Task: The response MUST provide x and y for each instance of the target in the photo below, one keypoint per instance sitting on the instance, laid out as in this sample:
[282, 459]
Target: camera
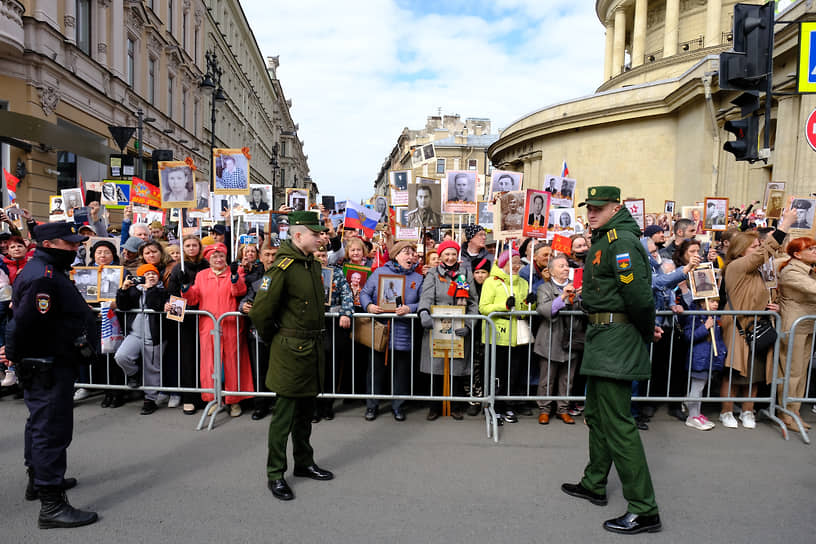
[137, 280]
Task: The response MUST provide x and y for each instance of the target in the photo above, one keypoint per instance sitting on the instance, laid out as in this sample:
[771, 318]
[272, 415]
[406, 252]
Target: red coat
[218, 295]
[15, 267]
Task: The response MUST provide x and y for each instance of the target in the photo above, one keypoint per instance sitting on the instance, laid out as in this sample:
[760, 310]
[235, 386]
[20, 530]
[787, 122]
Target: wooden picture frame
[669, 206]
[715, 213]
[86, 279]
[109, 280]
[703, 283]
[390, 287]
[238, 171]
[178, 306]
[772, 186]
[775, 204]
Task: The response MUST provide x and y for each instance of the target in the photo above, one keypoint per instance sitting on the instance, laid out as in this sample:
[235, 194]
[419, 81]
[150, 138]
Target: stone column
[639, 33]
[610, 44]
[46, 11]
[102, 31]
[713, 26]
[535, 172]
[69, 22]
[117, 46]
[671, 28]
[618, 56]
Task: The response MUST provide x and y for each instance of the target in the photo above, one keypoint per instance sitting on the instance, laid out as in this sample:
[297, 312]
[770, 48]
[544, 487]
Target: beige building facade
[71, 68]
[654, 127]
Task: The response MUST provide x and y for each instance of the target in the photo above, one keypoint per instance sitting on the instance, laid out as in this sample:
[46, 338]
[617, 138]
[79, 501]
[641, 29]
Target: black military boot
[56, 512]
[32, 494]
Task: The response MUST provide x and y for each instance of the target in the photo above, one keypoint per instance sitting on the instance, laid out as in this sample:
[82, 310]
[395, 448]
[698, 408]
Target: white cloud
[340, 64]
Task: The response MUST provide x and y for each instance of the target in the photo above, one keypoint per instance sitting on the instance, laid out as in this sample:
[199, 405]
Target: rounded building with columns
[654, 126]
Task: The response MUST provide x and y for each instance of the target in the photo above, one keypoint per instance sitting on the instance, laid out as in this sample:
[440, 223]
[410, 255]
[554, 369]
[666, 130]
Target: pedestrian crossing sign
[806, 77]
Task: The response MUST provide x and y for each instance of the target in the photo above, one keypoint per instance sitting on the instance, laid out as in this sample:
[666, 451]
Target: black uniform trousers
[50, 424]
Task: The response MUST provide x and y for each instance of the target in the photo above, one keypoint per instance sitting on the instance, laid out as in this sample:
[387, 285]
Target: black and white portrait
[484, 214]
[804, 208]
[400, 179]
[260, 197]
[428, 152]
[512, 211]
[562, 191]
[202, 191]
[177, 185]
[110, 278]
[562, 220]
[72, 198]
[381, 206]
[503, 181]
[425, 204]
[297, 199]
[461, 186]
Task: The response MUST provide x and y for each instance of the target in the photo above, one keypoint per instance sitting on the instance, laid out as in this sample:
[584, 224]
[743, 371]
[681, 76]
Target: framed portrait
[390, 290]
[428, 152]
[703, 282]
[664, 221]
[178, 306]
[398, 181]
[536, 213]
[776, 203]
[502, 181]
[177, 184]
[804, 225]
[86, 279]
[510, 215]
[650, 219]
[772, 186]
[768, 271]
[715, 213]
[637, 207]
[444, 341]
[278, 223]
[416, 157]
[15, 215]
[668, 206]
[93, 240]
[484, 214]
[381, 207]
[695, 213]
[356, 277]
[297, 199]
[562, 191]
[257, 202]
[71, 199]
[562, 221]
[230, 172]
[424, 203]
[121, 189]
[110, 279]
[326, 275]
[203, 202]
[459, 192]
[56, 208]
[149, 216]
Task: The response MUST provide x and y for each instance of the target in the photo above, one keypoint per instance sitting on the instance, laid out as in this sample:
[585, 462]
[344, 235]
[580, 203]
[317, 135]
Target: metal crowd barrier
[809, 369]
[101, 379]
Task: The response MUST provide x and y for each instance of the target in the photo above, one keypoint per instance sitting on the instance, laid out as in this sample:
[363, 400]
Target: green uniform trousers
[614, 438]
[292, 415]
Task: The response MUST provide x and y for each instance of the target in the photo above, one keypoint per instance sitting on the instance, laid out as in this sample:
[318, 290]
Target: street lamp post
[275, 167]
[211, 83]
[141, 120]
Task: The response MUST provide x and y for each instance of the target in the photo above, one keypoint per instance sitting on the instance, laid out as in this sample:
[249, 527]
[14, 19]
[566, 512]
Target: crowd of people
[538, 356]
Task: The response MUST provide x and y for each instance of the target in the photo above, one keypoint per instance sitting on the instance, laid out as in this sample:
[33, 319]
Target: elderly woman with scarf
[402, 263]
[216, 290]
[447, 284]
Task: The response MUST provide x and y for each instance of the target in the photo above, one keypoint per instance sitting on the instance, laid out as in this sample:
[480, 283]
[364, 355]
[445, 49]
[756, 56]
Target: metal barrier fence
[799, 366]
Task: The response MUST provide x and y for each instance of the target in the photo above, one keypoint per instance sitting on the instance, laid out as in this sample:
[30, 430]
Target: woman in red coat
[216, 290]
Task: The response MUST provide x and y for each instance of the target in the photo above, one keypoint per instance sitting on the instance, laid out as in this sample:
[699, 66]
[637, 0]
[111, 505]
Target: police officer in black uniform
[50, 334]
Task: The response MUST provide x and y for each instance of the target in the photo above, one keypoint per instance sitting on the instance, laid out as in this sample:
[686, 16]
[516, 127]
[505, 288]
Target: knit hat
[480, 263]
[505, 256]
[471, 231]
[207, 241]
[399, 246]
[651, 230]
[447, 244]
[110, 245]
[156, 225]
[145, 268]
[212, 248]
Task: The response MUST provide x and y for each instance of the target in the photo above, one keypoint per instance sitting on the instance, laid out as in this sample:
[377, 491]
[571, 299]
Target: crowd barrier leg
[217, 386]
[785, 380]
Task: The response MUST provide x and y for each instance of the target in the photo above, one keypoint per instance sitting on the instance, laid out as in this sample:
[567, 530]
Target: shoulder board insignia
[49, 271]
[265, 283]
[284, 264]
[627, 278]
[612, 235]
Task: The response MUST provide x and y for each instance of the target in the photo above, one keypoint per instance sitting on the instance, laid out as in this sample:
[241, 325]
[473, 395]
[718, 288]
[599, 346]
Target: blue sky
[360, 71]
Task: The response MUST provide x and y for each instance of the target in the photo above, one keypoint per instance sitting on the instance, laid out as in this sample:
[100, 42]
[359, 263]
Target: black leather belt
[301, 333]
[607, 318]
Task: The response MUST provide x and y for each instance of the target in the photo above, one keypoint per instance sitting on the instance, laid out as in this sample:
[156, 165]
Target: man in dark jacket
[288, 314]
[617, 295]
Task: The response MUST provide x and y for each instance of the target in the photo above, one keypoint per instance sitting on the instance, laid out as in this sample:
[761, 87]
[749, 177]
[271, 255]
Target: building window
[184, 30]
[170, 81]
[283, 177]
[170, 16]
[195, 117]
[195, 45]
[151, 81]
[184, 108]
[131, 62]
[282, 149]
[440, 166]
[472, 164]
[83, 25]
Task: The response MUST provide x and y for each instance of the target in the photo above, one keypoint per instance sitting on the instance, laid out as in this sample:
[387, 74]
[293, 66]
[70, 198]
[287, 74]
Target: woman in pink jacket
[217, 290]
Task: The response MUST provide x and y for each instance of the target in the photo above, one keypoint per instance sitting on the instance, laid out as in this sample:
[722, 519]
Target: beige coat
[746, 293]
[797, 297]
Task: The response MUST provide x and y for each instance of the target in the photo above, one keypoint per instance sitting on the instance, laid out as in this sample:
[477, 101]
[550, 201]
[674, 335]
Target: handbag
[760, 335]
[523, 333]
[378, 340]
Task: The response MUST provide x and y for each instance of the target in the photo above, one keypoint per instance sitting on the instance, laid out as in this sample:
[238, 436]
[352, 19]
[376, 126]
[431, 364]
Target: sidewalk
[155, 479]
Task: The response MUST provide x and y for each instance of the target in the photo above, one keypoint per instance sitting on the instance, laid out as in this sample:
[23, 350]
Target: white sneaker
[9, 379]
[701, 423]
[747, 418]
[162, 398]
[728, 420]
[813, 408]
[81, 394]
[174, 401]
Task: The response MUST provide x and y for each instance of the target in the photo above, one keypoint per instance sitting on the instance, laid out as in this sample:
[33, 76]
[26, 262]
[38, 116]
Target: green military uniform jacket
[617, 279]
[288, 314]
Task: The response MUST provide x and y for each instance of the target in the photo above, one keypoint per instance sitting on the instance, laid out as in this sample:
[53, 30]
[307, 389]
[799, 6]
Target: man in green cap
[288, 314]
[617, 294]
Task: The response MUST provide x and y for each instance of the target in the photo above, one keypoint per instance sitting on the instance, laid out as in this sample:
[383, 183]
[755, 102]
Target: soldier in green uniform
[288, 314]
[617, 294]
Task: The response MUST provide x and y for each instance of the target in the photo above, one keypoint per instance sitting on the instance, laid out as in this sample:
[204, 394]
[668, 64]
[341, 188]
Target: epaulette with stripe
[48, 272]
[612, 235]
[284, 263]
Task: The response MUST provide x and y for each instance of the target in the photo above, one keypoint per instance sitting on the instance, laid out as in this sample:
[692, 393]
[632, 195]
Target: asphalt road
[155, 479]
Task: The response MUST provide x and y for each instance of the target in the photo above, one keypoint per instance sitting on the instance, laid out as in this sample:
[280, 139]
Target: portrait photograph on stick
[562, 221]
[637, 207]
[398, 186]
[536, 213]
[297, 199]
[668, 207]
[56, 207]
[715, 213]
[86, 279]
[484, 214]
[772, 186]
[776, 203]
[231, 171]
[804, 207]
[503, 181]
[72, 199]
[510, 215]
[424, 203]
[110, 278]
[390, 290]
[177, 184]
[703, 282]
[459, 192]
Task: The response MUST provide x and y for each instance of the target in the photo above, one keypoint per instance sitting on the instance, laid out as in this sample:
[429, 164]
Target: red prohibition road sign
[810, 130]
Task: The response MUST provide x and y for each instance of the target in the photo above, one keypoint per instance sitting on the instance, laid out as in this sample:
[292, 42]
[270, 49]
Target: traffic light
[748, 66]
[745, 146]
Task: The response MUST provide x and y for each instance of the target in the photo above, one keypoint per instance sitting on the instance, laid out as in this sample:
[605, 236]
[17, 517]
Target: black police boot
[56, 511]
[31, 493]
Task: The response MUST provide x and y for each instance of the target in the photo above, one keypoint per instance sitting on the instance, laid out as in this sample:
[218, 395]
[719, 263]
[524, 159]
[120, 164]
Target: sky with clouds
[358, 72]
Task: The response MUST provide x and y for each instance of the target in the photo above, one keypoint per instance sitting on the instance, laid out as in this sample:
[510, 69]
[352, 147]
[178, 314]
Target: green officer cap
[307, 219]
[601, 195]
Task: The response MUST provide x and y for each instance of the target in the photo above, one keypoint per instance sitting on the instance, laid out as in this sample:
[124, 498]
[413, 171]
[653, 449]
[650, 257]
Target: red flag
[11, 185]
[562, 244]
[392, 220]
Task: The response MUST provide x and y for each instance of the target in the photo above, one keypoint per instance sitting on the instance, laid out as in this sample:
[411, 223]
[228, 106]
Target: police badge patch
[43, 302]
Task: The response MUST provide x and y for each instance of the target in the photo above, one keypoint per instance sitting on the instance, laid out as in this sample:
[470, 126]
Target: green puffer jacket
[288, 314]
[617, 279]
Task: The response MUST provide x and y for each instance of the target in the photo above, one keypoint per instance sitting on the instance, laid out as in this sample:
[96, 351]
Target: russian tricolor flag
[11, 185]
[358, 217]
[564, 170]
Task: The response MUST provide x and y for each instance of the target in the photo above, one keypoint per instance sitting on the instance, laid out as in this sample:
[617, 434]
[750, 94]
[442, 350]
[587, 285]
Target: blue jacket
[524, 273]
[699, 339]
[401, 338]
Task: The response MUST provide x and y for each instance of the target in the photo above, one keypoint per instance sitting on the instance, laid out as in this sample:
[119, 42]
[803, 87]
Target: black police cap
[58, 229]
